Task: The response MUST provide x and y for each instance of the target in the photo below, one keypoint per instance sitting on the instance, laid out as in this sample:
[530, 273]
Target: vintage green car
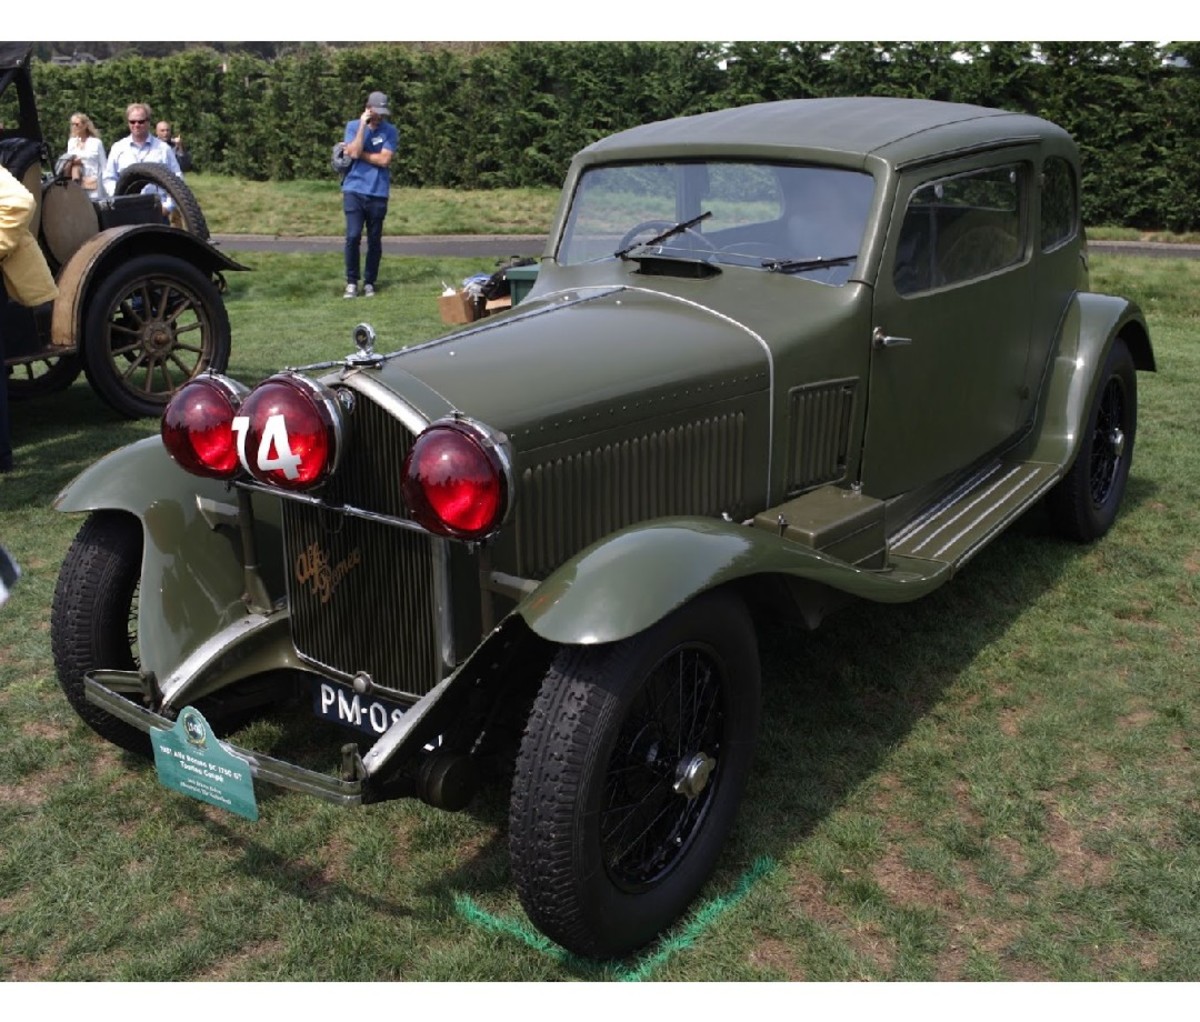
[775, 358]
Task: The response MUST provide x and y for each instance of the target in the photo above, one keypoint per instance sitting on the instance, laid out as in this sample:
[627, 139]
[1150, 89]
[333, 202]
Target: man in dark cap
[370, 143]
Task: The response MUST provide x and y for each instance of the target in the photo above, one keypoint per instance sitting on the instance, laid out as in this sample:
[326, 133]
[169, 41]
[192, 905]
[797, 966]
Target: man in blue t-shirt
[370, 143]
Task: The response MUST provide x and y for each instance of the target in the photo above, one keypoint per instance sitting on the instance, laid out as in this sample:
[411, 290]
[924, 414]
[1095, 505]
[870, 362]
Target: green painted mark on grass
[701, 920]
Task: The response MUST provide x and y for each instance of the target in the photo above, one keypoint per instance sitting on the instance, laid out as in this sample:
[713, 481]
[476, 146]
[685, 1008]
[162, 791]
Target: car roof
[844, 130]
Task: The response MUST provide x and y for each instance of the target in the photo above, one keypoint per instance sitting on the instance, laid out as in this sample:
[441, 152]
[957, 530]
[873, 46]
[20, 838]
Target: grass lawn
[314, 208]
[999, 782]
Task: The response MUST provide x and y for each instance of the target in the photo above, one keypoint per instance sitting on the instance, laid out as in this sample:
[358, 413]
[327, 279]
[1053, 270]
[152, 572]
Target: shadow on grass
[57, 436]
[836, 703]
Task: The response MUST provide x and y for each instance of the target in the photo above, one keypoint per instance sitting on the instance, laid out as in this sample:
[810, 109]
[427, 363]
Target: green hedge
[512, 115]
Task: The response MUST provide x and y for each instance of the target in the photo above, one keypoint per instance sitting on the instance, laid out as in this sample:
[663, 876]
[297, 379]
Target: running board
[954, 528]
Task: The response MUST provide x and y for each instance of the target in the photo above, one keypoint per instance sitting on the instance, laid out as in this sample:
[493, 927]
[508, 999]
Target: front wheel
[629, 776]
[1084, 503]
[155, 323]
[93, 618]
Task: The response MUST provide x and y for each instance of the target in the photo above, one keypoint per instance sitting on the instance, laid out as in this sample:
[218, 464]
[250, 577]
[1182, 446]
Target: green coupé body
[775, 358]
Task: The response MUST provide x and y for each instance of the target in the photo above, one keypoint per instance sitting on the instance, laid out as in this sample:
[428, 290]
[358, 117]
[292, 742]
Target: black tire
[606, 734]
[1084, 504]
[153, 324]
[93, 617]
[42, 376]
[133, 179]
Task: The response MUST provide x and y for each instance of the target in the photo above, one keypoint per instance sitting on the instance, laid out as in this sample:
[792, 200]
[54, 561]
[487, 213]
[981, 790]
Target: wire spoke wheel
[656, 790]
[1108, 442]
[630, 773]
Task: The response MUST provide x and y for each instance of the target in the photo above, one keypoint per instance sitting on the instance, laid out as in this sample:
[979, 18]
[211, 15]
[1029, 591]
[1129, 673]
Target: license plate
[342, 705]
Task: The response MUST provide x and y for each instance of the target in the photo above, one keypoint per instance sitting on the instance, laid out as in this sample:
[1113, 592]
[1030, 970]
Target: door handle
[881, 340]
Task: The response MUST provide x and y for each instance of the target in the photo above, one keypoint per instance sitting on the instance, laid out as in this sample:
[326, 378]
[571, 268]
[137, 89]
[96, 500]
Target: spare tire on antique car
[133, 180]
[154, 323]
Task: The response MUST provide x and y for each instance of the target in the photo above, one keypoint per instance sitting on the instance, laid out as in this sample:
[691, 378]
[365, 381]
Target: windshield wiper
[798, 265]
[670, 232]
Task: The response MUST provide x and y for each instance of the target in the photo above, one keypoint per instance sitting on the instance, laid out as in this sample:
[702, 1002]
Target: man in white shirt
[140, 146]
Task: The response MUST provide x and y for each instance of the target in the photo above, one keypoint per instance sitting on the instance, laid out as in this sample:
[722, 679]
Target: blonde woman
[85, 146]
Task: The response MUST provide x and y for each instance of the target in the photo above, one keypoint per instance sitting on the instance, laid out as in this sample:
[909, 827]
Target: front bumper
[104, 688]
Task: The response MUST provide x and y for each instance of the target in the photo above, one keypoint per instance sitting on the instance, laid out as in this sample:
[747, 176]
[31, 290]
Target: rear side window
[1059, 205]
[958, 228]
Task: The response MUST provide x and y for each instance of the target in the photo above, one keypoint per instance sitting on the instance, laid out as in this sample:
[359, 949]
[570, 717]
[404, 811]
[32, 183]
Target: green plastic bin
[520, 281]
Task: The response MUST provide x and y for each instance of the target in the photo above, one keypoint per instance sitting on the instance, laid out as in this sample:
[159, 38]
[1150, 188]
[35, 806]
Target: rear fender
[627, 582]
[192, 580]
[1091, 326]
[84, 271]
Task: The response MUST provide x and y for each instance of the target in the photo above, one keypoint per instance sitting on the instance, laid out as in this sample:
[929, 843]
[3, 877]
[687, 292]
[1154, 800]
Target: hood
[576, 362]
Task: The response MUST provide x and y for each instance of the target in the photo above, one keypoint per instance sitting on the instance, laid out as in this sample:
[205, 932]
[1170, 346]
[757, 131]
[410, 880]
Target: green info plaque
[190, 759]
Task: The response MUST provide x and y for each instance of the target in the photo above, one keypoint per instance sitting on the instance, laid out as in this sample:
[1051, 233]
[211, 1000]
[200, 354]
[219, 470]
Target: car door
[951, 321]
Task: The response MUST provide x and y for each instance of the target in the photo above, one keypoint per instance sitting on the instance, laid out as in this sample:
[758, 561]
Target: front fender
[192, 580]
[628, 581]
[94, 259]
[1091, 326]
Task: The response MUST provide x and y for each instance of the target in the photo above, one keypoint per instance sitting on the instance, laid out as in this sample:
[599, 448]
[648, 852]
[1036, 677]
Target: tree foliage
[512, 115]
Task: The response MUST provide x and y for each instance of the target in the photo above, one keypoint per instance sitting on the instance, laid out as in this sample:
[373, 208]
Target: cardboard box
[497, 304]
[458, 308]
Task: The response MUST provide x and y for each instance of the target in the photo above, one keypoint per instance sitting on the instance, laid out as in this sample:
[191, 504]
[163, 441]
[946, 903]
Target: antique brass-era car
[775, 358]
[139, 308]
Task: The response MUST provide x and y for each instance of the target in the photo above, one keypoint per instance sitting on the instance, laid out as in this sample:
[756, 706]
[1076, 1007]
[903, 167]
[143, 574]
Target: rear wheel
[93, 618]
[630, 774]
[1084, 504]
[155, 323]
[42, 376]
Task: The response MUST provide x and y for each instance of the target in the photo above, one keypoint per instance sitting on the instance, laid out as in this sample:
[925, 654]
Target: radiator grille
[820, 417]
[364, 594]
[369, 476]
[567, 503]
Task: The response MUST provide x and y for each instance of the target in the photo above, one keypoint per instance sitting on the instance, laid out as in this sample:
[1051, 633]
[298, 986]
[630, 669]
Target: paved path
[1155, 249]
[503, 245]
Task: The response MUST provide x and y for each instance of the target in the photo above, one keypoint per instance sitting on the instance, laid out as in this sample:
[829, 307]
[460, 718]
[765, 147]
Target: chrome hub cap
[692, 774]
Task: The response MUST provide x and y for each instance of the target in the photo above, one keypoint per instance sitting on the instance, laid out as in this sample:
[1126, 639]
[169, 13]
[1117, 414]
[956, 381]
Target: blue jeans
[360, 210]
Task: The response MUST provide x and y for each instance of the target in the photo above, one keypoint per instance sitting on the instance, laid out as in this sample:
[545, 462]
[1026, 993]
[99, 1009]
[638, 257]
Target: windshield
[773, 217]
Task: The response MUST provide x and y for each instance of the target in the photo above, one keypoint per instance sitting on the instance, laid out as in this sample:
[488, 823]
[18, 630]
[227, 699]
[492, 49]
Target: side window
[1059, 222]
[959, 228]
